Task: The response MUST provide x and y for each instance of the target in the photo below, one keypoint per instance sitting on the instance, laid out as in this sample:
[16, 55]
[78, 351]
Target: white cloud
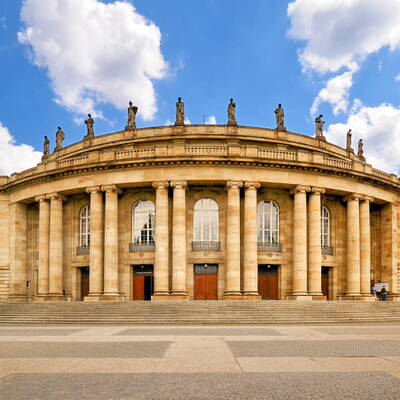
[379, 127]
[95, 53]
[336, 93]
[212, 120]
[340, 32]
[13, 157]
[397, 78]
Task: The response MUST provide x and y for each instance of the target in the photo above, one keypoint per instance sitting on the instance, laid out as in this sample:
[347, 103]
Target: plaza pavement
[202, 362]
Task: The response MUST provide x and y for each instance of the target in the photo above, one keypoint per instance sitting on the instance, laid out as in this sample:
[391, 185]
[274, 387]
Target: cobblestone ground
[121, 363]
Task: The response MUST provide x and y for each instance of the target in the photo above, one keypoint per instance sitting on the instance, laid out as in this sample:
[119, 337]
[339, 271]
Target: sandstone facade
[45, 255]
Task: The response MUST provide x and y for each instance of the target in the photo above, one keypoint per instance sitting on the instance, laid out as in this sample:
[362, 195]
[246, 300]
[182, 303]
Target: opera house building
[198, 212]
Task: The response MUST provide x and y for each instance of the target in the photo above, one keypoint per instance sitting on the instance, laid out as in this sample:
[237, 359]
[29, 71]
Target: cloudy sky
[61, 59]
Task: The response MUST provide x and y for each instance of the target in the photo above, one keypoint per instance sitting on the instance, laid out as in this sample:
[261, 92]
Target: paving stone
[38, 332]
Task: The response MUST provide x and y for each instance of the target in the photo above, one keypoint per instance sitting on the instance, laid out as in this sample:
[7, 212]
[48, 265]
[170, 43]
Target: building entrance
[325, 282]
[84, 282]
[142, 282]
[205, 281]
[268, 281]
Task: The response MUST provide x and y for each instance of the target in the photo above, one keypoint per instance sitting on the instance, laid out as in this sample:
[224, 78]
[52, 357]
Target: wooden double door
[143, 282]
[205, 281]
[268, 281]
[84, 282]
[325, 281]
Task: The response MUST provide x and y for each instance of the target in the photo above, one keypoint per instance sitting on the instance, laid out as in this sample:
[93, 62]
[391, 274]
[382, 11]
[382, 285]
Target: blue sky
[63, 58]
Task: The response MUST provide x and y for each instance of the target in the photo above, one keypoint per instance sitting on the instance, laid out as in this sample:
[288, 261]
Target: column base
[393, 297]
[350, 297]
[318, 297]
[93, 297]
[18, 298]
[179, 296]
[299, 297]
[111, 297]
[229, 296]
[160, 296]
[251, 296]
[50, 297]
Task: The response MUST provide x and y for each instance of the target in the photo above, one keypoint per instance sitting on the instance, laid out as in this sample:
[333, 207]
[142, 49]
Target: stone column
[111, 242]
[314, 242]
[161, 284]
[56, 246]
[96, 242]
[43, 244]
[353, 245]
[300, 243]
[250, 284]
[365, 247]
[232, 281]
[18, 240]
[179, 286]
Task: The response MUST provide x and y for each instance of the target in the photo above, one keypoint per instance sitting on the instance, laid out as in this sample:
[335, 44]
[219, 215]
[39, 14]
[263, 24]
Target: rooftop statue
[90, 129]
[60, 136]
[280, 118]
[231, 113]
[348, 141]
[360, 152]
[180, 112]
[319, 127]
[132, 111]
[46, 146]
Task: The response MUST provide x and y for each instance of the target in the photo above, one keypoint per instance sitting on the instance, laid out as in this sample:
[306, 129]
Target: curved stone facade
[41, 222]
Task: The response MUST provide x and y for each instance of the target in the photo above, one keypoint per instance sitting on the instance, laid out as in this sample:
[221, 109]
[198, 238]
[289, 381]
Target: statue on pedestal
[319, 127]
[280, 118]
[231, 113]
[348, 141]
[360, 152]
[180, 112]
[132, 111]
[89, 124]
[60, 136]
[46, 148]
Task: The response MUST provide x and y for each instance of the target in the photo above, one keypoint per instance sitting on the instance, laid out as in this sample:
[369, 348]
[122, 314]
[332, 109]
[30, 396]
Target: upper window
[143, 222]
[325, 227]
[268, 222]
[206, 220]
[84, 227]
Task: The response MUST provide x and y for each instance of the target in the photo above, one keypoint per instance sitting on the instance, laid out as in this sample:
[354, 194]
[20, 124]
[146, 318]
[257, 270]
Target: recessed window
[143, 222]
[325, 227]
[84, 227]
[267, 222]
[206, 221]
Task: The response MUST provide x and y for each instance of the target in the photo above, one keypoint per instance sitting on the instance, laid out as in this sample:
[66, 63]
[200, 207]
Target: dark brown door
[142, 282]
[205, 282]
[268, 281]
[325, 281]
[84, 282]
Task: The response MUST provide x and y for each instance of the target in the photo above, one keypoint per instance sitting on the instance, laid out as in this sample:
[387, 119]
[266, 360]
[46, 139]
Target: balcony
[327, 250]
[141, 247]
[206, 246]
[82, 250]
[269, 247]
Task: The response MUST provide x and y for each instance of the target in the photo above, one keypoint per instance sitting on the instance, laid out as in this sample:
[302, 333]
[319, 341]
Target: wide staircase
[199, 312]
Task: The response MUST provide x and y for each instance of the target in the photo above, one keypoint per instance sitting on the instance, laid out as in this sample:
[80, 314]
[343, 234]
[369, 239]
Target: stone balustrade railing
[146, 152]
[28, 172]
[381, 174]
[337, 162]
[277, 154]
[73, 161]
[206, 150]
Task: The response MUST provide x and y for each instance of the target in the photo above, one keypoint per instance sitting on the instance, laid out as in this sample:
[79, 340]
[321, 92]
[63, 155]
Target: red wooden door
[84, 282]
[325, 281]
[205, 282]
[138, 287]
[268, 282]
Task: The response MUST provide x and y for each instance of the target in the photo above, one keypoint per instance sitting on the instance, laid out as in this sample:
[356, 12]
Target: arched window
[325, 227]
[206, 221]
[267, 222]
[143, 222]
[84, 227]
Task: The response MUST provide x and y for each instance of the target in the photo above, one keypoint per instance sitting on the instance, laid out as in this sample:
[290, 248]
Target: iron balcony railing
[141, 247]
[269, 247]
[206, 246]
[82, 250]
[327, 250]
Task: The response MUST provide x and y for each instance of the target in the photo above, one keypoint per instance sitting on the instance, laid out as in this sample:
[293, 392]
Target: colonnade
[103, 278]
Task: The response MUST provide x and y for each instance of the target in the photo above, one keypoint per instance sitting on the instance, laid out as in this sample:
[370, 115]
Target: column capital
[317, 190]
[40, 198]
[234, 184]
[252, 185]
[55, 196]
[111, 188]
[353, 196]
[368, 199]
[178, 184]
[300, 189]
[91, 189]
[160, 184]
